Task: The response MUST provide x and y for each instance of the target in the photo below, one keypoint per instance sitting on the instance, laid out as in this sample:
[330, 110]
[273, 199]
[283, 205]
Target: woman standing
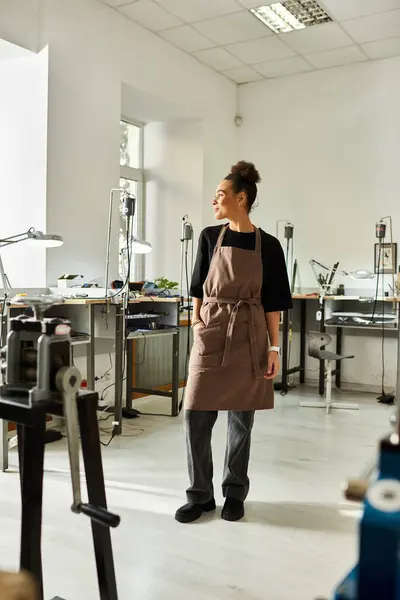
[239, 287]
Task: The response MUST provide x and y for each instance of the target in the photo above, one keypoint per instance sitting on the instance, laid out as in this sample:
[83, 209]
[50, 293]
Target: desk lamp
[325, 282]
[136, 246]
[38, 239]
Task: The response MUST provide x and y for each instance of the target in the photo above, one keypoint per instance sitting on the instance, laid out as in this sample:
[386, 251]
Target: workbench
[324, 305]
[81, 313]
[82, 316]
[170, 327]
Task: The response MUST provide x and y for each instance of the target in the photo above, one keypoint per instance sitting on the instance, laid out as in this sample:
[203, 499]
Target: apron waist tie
[250, 303]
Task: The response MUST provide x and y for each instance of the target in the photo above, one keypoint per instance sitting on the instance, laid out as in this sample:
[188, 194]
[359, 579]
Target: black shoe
[233, 510]
[192, 512]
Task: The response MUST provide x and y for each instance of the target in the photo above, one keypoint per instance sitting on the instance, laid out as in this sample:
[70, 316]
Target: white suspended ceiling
[224, 35]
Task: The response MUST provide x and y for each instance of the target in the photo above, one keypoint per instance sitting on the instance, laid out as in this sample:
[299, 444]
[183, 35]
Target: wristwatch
[275, 349]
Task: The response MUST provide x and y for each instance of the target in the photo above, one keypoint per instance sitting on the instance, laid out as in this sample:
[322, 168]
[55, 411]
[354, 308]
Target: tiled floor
[298, 539]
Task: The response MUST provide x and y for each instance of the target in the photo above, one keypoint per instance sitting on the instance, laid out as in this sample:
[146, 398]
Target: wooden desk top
[154, 299]
[102, 301]
[68, 302]
[315, 296]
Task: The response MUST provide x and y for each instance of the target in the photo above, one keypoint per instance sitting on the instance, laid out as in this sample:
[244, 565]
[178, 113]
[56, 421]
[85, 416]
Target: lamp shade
[361, 274]
[44, 240]
[140, 246]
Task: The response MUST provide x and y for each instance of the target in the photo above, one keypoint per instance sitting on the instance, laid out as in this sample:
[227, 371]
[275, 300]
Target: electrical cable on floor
[106, 372]
[106, 432]
[102, 419]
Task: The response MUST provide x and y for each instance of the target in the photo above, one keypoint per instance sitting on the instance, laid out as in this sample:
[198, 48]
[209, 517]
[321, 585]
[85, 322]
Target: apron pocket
[208, 340]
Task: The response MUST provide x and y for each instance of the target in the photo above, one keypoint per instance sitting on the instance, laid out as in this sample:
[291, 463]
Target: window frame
[137, 175]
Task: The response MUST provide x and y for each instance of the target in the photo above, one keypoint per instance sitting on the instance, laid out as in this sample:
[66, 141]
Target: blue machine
[377, 575]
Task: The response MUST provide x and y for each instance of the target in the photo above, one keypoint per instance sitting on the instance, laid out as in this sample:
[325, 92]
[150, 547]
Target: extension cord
[13, 442]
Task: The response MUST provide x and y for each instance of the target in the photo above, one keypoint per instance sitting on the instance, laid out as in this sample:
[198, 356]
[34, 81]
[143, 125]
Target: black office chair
[317, 341]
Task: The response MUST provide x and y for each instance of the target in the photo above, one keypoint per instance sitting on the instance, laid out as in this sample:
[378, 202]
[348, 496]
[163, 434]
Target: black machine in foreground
[41, 380]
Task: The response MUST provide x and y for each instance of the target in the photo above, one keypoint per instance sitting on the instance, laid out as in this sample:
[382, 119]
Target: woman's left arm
[272, 319]
[276, 296]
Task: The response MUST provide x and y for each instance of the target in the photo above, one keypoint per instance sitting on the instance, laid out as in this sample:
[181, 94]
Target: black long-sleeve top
[275, 292]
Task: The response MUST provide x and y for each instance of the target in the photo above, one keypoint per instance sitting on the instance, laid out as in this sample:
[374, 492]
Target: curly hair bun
[247, 171]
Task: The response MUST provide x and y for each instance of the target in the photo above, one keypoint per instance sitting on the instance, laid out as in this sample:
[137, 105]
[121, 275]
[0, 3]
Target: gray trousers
[198, 427]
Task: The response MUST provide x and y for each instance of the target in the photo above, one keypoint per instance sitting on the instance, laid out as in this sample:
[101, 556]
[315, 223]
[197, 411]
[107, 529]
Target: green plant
[166, 284]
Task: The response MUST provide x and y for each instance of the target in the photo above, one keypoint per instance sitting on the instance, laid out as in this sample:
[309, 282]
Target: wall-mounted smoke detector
[289, 15]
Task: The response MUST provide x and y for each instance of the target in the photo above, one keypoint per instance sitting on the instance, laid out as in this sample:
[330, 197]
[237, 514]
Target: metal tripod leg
[91, 451]
[31, 453]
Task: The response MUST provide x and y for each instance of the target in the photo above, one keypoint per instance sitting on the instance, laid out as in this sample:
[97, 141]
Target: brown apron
[230, 354]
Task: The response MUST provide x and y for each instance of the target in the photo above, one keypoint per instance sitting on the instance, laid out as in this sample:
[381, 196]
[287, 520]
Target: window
[130, 145]
[132, 180]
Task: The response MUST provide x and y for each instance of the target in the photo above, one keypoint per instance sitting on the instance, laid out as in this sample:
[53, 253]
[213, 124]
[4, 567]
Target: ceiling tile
[243, 75]
[337, 57]
[150, 15]
[257, 51]
[352, 9]
[375, 27]
[383, 48]
[198, 10]
[253, 3]
[218, 59]
[238, 27]
[317, 38]
[187, 38]
[116, 3]
[280, 68]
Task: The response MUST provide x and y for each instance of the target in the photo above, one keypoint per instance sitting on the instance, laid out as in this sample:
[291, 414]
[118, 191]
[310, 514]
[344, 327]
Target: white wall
[23, 149]
[327, 145]
[93, 49]
[174, 173]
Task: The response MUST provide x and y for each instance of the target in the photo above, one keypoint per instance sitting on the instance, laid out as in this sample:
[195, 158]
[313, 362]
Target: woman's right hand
[199, 325]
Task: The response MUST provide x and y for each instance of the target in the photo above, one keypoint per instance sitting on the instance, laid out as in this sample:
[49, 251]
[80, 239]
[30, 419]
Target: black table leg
[339, 340]
[175, 375]
[303, 338]
[31, 442]
[322, 362]
[129, 358]
[97, 496]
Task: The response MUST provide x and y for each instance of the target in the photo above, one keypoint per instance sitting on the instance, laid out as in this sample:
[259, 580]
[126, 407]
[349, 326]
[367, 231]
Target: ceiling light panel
[291, 15]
